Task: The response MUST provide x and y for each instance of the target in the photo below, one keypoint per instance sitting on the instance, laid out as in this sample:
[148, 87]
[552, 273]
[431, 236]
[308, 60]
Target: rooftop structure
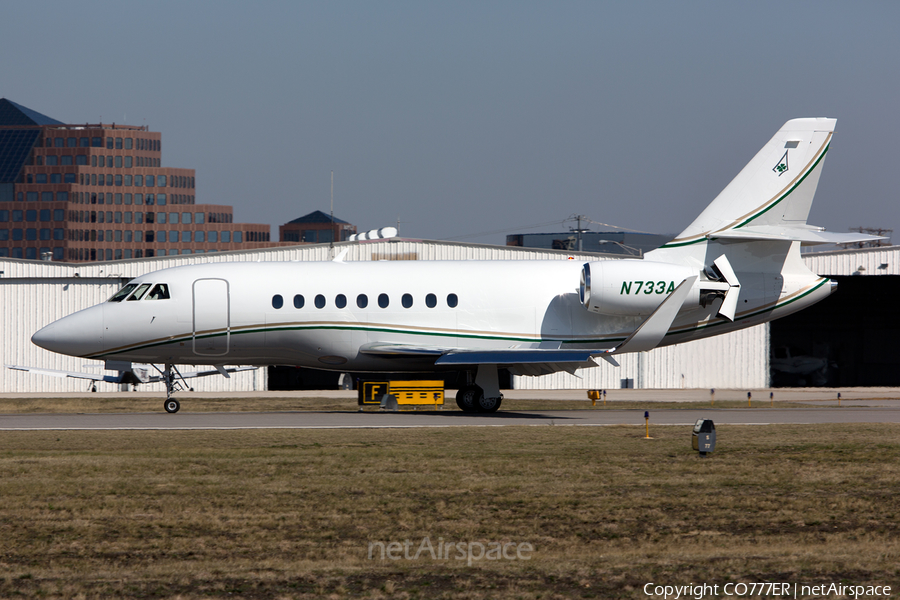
[316, 227]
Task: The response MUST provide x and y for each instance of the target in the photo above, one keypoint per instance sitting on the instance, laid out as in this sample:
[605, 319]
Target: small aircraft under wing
[736, 265]
[128, 373]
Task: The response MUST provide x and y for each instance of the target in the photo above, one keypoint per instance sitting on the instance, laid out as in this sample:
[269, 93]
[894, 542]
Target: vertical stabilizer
[775, 189]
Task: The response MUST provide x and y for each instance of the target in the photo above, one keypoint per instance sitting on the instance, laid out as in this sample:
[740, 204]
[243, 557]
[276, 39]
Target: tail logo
[782, 166]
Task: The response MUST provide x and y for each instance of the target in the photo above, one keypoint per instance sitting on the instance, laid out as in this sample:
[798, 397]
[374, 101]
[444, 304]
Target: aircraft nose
[79, 334]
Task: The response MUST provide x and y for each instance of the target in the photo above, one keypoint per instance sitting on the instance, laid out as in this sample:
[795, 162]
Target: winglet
[651, 332]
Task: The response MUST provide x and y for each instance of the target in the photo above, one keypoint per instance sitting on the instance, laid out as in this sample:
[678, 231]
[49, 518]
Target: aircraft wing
[524, 361]
[73, 374]
[138, 374]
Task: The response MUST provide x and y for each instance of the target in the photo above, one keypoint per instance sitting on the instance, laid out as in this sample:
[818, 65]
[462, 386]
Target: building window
[31, 253]
[161, 180]
[4, 216]
[59, 214]
[199, 236]
[45, 214]
[238, 237]
[17, 216]
[198, 218]
[138, 198]
[186, 218]
[46, 234]
[40, 178]
[161, 199]
[31, 215]
[83, 142]
[213, 237]
[70, 178]
[30, 234]
[226, 237]
[96, 142]
[139, 181]
[52, 161]
[4, 235]
[17, 235]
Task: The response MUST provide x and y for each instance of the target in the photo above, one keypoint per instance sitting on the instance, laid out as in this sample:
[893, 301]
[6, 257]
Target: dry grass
[290, 513]
[137, 402]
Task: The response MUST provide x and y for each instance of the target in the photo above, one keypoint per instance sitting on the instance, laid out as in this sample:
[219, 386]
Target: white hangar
[35, 293]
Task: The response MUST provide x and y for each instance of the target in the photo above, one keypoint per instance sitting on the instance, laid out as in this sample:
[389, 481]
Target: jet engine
[632, 287]
[637, 287]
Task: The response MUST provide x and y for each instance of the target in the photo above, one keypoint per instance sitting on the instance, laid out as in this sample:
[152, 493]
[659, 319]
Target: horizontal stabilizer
[807, 236]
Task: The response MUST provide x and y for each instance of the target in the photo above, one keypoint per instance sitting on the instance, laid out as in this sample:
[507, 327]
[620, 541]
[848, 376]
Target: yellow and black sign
[425, 392]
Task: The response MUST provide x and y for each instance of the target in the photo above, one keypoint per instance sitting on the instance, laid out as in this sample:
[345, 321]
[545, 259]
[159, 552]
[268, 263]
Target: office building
[99, 192]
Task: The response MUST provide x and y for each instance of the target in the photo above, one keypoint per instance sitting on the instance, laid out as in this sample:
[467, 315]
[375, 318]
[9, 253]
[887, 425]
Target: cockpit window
[139, 293]
[121, 294]
[160, 292]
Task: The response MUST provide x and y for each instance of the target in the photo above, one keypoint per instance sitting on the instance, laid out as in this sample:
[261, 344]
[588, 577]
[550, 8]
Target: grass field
[106, 403]
[292, 513]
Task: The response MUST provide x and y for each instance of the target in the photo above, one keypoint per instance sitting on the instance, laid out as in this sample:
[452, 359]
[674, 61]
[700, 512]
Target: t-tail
[741, 254]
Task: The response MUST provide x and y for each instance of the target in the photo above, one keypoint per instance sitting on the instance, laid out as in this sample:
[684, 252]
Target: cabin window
[139, 293]
[160, 292]
[121, 294]
[430, 300]
[340, 301]
[299, 301]
[277, 301]
[383, 300]
[320, 301]
[406, 300]
[362, 301]
[452, 300]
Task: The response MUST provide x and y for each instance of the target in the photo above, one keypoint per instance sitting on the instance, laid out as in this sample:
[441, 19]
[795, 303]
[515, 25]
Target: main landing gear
[472, 399]
[484, 395]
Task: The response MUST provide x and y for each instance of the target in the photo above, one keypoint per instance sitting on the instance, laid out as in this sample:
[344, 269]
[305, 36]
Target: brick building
[77, 193]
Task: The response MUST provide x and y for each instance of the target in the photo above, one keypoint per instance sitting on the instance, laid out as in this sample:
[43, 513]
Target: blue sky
[459, 118]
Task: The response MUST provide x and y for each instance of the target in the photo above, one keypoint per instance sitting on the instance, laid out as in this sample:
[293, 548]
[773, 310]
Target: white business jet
[737, 265]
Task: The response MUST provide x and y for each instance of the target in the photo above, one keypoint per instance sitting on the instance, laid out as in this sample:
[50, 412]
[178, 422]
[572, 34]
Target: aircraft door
[212, 319]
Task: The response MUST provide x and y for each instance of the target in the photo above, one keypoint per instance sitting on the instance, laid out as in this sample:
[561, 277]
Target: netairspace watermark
[766, 590]
[468, 551]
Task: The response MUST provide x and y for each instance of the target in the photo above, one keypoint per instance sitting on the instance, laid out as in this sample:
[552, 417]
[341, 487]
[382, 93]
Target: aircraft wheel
[488, 405]
[172, 405]
[467, 398]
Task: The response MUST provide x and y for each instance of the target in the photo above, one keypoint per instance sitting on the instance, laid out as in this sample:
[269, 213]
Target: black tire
[488, 405]
[172, 405]
[467, 398]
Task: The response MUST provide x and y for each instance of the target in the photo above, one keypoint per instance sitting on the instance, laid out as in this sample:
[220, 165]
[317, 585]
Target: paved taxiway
[448, 418]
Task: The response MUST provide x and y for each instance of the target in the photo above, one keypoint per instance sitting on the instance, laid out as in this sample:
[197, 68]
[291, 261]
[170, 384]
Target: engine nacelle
[632, 287]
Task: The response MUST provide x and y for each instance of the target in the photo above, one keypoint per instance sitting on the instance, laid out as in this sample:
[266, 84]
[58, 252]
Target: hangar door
[212, 319]
[848, 339]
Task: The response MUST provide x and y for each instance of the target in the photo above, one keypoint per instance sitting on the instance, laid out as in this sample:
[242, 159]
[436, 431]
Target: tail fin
[770, 198]
[775, 189]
